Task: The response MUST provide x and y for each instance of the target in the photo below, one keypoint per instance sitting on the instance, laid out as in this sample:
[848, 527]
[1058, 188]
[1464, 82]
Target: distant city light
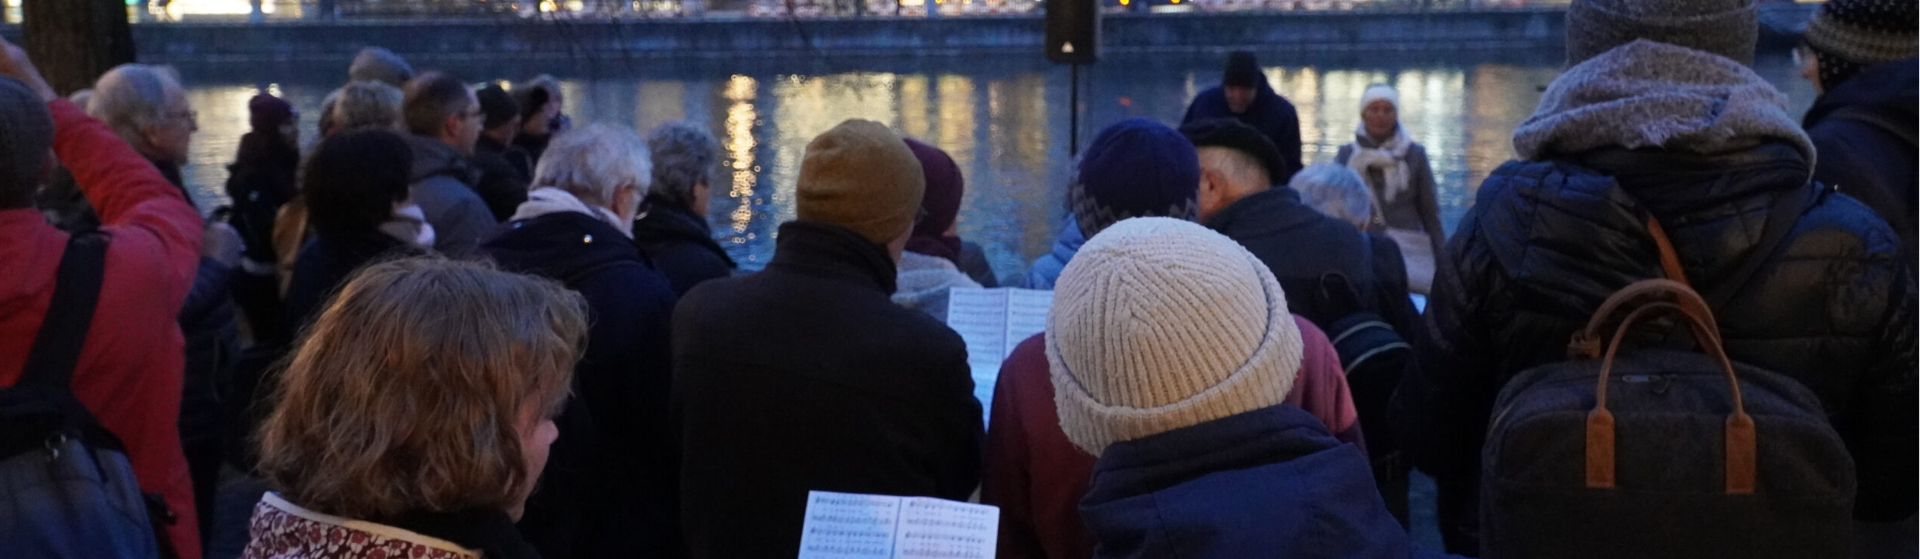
[210, 7]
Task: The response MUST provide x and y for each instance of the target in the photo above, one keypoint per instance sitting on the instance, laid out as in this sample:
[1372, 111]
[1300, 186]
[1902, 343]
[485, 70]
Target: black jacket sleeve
[1879, 428]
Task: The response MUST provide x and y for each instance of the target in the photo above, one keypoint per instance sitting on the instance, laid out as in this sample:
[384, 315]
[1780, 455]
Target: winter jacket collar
[490, 532]
[434, 158]
[1892, 89]
[171, 171]
[665, 223]
[830, 250]
[1191, 492]
[1264, 213]
[563, 246]
[1675, 184]
[1645, 94]
[548, 200]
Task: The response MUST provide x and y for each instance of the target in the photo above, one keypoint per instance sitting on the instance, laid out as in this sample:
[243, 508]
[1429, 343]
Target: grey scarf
[1648, 94]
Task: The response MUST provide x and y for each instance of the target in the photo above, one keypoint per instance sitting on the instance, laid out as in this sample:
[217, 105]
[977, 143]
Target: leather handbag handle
[1741, 456]
[1586, 342]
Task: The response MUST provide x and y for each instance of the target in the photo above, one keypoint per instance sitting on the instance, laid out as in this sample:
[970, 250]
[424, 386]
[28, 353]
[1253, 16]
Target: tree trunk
[73, 42]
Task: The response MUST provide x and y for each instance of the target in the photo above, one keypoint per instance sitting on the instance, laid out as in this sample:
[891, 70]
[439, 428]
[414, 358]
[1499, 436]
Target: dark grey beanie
[381, 65]
[26, 133]
[1728, 28]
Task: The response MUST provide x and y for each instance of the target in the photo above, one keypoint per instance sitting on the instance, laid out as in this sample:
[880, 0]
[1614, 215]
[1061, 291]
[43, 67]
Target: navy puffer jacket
[1547, 241]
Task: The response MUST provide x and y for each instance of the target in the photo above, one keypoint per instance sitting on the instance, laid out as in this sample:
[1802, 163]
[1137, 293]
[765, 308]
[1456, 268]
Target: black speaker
[1073, 31]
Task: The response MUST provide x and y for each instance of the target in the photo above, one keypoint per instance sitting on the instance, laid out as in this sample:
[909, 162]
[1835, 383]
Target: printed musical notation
[855, 526]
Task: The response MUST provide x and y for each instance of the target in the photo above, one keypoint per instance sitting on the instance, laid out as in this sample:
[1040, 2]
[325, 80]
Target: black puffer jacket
[681, 246]
[1547, 241]
[1858, 128]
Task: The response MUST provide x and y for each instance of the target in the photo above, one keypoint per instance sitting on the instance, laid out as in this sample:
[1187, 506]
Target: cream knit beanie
[1159, 324]
[1380, 92]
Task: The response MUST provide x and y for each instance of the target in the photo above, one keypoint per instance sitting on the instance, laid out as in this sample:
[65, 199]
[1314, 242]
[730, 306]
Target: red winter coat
[1037, 477]
[130, 369]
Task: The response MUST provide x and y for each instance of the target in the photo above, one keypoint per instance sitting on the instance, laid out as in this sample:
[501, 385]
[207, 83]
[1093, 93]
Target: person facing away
[377, 64]
[937, 233]
[501, 184]
[261, 179]
[611, 490]
[1661, 119]
[1859, 54]
[1031, 471]
[1133, 168]
[445, 119]
[357, 199]
[542, 115]
[672, 228]
[1338, 192]
[416, 415]
[928, 266]
[1245, 95]
[1298, 244]
[130, 368]
[1172, 354]
[1396, 169]
[356, 106]
[807, 377]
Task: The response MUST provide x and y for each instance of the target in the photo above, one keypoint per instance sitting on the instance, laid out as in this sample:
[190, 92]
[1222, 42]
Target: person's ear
[450, 128]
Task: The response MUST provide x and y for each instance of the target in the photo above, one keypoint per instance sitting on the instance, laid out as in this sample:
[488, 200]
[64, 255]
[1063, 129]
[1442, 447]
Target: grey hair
[593, 161]
[132, 98]
[1337, 191]
[684, 154]
[366, 104]
[1247, 173]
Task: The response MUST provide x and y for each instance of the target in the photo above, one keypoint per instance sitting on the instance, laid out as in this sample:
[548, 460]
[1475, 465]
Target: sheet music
[992, 322]
[855, 526]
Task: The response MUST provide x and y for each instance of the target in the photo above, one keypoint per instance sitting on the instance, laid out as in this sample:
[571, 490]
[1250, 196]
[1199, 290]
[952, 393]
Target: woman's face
[1381, 119]
[537, 433]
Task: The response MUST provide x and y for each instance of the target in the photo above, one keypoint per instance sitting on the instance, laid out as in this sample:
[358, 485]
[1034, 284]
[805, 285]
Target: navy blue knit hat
[1135, 168]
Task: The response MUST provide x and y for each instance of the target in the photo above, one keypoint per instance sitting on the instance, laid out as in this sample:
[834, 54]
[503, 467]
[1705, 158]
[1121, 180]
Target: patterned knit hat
[1135, 168]
[1850, 35]
[1729, 28]
[1159, 324]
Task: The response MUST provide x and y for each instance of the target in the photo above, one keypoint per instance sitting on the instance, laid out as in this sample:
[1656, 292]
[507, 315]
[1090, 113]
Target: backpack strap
[76, 291]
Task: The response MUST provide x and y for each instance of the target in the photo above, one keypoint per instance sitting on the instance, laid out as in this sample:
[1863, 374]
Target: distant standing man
[1244, 94]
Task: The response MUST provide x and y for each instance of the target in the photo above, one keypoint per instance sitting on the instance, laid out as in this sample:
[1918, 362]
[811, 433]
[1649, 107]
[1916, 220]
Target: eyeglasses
[476, 114]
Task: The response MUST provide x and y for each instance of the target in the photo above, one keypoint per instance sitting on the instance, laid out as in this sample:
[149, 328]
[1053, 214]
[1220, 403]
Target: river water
[1004, 119]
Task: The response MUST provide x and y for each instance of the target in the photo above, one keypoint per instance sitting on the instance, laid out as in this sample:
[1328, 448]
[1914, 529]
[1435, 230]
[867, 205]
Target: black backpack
[71, 492]
[1652, 453]
[1374, 356]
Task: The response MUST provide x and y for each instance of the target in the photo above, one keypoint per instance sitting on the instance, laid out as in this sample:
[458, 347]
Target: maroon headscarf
[941, 204]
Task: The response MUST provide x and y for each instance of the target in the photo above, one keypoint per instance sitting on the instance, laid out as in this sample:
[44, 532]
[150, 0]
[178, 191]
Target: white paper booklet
[993, 322]
[855, 526]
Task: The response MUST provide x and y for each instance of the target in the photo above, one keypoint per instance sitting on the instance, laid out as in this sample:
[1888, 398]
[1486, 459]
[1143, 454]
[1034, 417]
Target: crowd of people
[458, 325]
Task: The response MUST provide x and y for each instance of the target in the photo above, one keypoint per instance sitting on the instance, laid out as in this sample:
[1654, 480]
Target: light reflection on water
[1001, 119]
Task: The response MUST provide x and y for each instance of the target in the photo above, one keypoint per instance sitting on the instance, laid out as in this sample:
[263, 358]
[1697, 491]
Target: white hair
[593, 161]
[133, 97]
[1246, 173]
[1337, 191]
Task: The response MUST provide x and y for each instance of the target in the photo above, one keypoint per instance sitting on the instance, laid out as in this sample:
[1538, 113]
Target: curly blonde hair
[407, 392]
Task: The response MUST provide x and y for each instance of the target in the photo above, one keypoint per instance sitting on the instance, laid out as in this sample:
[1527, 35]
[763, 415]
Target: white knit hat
[1380, 92]
[1159, 324]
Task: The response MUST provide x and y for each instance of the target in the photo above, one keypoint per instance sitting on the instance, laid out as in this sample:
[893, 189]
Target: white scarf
[409, 224]
[549, 200]
[1390, 158]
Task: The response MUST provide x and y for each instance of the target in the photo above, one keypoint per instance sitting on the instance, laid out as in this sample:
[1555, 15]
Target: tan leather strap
[1669, 259]
[1741, 454]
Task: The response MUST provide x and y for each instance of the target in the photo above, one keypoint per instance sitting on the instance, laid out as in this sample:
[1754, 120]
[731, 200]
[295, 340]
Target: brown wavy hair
[406, 392]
